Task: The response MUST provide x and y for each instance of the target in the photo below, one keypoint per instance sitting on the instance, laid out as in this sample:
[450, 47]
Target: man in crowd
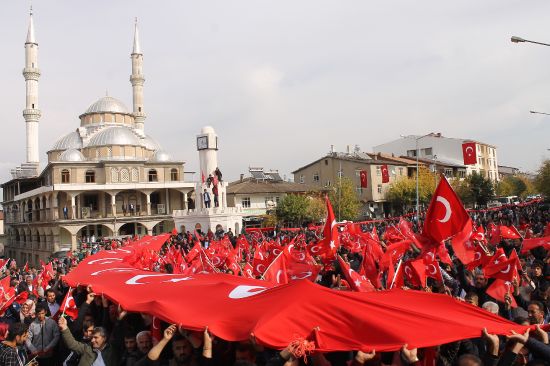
[53, 306]
[43, 337]
[16, 337]
[97, 352]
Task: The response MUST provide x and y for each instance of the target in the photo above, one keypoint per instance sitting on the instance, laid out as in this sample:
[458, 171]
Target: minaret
[137, 81]
[31, 113]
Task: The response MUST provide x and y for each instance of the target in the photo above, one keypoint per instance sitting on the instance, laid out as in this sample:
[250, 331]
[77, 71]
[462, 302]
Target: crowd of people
[37, 327]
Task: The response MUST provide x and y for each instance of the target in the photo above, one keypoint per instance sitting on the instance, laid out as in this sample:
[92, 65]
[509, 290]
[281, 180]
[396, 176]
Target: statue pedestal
[209, 218]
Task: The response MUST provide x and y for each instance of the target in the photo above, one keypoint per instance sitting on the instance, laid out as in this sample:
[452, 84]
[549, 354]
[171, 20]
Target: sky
[281, 81]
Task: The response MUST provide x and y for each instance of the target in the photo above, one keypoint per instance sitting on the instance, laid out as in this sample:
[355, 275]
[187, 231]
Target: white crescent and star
[447, 206]
[471, 150]
[243, 291]
[134, 280]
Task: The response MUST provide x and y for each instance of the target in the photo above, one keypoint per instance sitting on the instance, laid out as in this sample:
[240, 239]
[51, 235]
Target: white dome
[70, 141]
[107, 104]
[71, 155]
[150, 143]
[160, 156]
[114, 136]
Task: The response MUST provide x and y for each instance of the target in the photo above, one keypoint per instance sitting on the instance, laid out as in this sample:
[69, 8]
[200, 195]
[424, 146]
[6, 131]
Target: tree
[481, 188]
[516, 185]
[402, 193]
[344, 201]
[292, 209]
[297, 209]
[542, 180]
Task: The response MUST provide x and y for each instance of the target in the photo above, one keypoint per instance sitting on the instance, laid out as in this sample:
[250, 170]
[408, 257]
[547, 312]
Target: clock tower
[207, 145]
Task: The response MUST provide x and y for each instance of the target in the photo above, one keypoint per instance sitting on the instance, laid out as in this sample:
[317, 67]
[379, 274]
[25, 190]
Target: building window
[124, 175]
[65, 176]
[277, 199]
[109, 152]
[461, 174]
[357, 173]
[380, 188]
[302, 179]
[174, 174]
[153, 175]
[427, 151]
[326, 161]
[316, 177]
[400, 171]
[448, 172]
[358, 190]
[378, 170]
[328, 183]
[114, 175]
[90, 176]
[135, 175]
[411, 153]
[340, 173]
[245, 202]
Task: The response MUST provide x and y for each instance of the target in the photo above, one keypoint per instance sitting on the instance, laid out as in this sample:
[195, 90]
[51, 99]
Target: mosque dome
[70, 141]
[107, 104]
[71, 155]
[150, 143]
[114, 136]
[160, 156]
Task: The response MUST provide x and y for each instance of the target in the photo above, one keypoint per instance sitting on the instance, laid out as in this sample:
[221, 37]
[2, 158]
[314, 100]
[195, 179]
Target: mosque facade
[106, 178]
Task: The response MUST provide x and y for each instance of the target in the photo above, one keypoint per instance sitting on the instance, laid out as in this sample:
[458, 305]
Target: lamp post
[516, 39]
[416, 139]
[536, 112]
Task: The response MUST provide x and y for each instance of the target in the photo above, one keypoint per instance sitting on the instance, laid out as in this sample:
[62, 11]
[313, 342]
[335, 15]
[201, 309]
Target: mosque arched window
[174, 174]
[90, 176]
[153, 175]
[65, 176]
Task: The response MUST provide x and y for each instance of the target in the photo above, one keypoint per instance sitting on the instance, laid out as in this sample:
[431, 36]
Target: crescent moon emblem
[112, 270]
[302, 276]
[506, 270]
[276, 251]
[409, 272]
[243, 291]
[134, 280]
[315, 248]
[279, 272]
[471, 149]
[105, 260]
[431, 266]
[259, 268]
[216, 261]
[477, 256]
[155, 318]
[448, 211]
[301, 257]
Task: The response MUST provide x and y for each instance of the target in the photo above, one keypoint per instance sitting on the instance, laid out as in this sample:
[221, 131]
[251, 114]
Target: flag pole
[396, 272]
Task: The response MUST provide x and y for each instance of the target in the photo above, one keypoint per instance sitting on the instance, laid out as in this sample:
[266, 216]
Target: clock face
[202, 142]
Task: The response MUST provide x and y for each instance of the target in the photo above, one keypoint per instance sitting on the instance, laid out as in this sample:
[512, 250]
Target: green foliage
[296, 209]
[481, 189]
[518, 185]
[344, 200]
[542, 181]
[402, 193]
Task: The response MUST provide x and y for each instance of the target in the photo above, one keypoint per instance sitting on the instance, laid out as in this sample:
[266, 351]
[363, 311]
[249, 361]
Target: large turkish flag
[446, 215]
[469, 153]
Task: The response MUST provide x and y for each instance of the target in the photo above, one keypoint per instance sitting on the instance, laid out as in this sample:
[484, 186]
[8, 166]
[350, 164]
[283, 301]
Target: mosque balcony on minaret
[31, 73]
[137, 79]
[32, 114]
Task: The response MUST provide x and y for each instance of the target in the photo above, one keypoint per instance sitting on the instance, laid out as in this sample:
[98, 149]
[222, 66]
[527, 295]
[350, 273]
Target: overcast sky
[281, 81]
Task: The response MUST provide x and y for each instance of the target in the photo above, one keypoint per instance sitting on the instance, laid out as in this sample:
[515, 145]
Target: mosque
[106, 178]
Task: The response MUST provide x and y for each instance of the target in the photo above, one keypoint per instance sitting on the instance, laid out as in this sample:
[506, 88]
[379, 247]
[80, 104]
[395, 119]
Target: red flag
[302, 271]
[394, 252]
[26, 268]
[368, 268]
[463, 245]
[156, 331]
[202, 177]
[273, 313]
[504, 270]
[533, 243]
[385, 174]
[499, 289]
[174, 231]
[331, 237]
[509, 233]
[248, 271]
[276, 272]
[356, 282]
[193, 252]
[446, 215]
[494, 234]
[469, 153]
[363, 178]
[68, 306]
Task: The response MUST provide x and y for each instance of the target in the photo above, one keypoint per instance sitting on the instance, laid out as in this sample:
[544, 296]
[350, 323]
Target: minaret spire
[137, 80]
[31, 113]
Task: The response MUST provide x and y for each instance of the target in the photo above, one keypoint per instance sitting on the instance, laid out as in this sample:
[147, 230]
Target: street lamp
[416, 139]
[535, 112]
[516, 39]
